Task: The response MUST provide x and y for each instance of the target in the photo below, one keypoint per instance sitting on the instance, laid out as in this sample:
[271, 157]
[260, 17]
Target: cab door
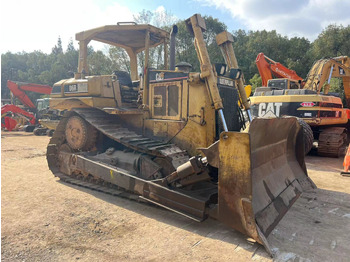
[166, 102]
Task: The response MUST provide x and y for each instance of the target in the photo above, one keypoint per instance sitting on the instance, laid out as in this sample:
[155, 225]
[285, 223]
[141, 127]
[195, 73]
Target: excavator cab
[283, 83]
[179, 145]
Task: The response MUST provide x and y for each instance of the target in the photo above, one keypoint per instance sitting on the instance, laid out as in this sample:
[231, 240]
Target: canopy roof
[125, 35]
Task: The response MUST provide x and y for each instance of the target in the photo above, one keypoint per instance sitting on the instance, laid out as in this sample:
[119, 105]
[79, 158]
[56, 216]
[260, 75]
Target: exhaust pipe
[172, 47]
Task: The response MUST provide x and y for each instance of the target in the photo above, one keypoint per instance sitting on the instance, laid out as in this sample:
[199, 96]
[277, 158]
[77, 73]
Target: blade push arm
[196, 26]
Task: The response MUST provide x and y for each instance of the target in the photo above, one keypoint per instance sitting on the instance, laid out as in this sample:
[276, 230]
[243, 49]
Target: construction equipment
[48, 118]
[19, 89]
[270, 69]
[172, 138]
[9, 122]
[323, 112]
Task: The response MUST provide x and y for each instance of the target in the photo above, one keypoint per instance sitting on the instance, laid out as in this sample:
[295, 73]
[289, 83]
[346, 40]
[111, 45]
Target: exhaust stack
[172, 47]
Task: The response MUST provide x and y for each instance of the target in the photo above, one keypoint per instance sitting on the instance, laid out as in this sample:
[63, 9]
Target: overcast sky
[28, 25]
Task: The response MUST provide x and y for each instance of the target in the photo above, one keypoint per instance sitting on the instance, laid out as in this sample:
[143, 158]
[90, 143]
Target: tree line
[296, 53]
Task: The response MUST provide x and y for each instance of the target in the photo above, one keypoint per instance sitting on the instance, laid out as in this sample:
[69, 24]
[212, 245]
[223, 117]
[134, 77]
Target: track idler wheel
[80, 135]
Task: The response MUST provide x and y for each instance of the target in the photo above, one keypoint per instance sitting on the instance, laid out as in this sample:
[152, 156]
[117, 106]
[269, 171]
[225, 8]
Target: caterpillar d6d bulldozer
[172, 137]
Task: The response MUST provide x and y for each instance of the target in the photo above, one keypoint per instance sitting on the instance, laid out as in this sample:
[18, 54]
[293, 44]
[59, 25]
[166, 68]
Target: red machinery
[18, 90]
[269, 68]
[9, 123]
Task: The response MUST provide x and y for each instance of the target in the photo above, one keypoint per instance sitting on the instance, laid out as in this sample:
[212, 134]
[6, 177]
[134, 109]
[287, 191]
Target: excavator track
[112, 127]
[331, 141]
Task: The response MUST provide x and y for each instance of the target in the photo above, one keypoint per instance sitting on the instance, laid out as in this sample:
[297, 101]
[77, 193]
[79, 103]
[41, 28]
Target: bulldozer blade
[261, 174]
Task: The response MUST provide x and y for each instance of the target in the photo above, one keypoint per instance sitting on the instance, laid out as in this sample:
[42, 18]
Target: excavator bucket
[261, 174]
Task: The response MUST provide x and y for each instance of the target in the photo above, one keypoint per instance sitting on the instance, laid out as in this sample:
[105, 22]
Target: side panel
[314, 110]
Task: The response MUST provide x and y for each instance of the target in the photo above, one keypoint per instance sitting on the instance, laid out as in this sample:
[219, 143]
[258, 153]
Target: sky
[28, 25]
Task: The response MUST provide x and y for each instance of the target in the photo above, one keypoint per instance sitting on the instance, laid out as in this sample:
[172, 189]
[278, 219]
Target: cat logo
[269, 109]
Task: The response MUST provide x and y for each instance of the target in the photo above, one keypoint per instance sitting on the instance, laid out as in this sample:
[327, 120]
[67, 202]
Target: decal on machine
[307, 104]
[76, 88]
[269, 109]
[226, 82]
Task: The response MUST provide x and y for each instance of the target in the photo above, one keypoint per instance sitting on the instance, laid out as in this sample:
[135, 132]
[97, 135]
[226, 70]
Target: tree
[70, 46]
[299, 57]
[99, 64]
[119, 59]
[143, 17]
[255, 81]
[185, 50]
[332, 42]
[57, 49]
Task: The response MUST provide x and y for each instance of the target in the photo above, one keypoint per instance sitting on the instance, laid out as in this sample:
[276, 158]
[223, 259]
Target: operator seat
[123, 78]
[129, 91]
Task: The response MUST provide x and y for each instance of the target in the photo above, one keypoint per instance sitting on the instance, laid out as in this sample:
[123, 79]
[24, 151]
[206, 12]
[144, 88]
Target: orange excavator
[270, 69]
[19, 89]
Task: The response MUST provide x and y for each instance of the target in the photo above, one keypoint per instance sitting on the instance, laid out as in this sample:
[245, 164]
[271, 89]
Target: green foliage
[57, 49]
[99, 64]
[255, 81]
[333, 41]
[292, 53]
[336, 86]
[185, 50]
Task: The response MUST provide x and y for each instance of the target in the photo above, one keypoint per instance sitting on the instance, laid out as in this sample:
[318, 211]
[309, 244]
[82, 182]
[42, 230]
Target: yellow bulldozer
[173, 137]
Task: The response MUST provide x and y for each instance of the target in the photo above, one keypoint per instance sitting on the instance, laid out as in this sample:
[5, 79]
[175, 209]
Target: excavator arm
[18, 90]
[324, 69]
[268, 69]
[9, 123]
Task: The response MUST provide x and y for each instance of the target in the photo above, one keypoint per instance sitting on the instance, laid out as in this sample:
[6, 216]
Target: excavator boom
[18, 90]
[268, 69]
[324, 69]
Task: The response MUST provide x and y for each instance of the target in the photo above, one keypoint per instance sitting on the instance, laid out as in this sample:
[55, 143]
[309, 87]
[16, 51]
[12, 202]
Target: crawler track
[331, 141]
[112, 127]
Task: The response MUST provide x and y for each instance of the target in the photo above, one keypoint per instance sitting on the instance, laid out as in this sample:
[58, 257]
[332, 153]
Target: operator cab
[283, 83]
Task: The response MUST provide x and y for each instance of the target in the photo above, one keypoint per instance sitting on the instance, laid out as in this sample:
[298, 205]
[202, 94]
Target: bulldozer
[174, 138]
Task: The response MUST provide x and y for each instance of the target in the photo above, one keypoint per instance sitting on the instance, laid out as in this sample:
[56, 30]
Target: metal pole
[249, 115]
[221, 113]
[330, 74]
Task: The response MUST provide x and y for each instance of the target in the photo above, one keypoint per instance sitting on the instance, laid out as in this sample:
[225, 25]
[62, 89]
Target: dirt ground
[43, 219]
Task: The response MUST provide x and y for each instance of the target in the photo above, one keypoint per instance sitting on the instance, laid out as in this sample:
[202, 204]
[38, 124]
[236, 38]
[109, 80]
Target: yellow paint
[294, 98]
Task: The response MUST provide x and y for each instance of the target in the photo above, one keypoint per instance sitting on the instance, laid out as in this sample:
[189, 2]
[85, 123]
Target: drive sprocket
[80, 135]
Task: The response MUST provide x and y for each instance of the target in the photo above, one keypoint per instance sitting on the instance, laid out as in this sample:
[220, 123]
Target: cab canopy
[133, 38]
